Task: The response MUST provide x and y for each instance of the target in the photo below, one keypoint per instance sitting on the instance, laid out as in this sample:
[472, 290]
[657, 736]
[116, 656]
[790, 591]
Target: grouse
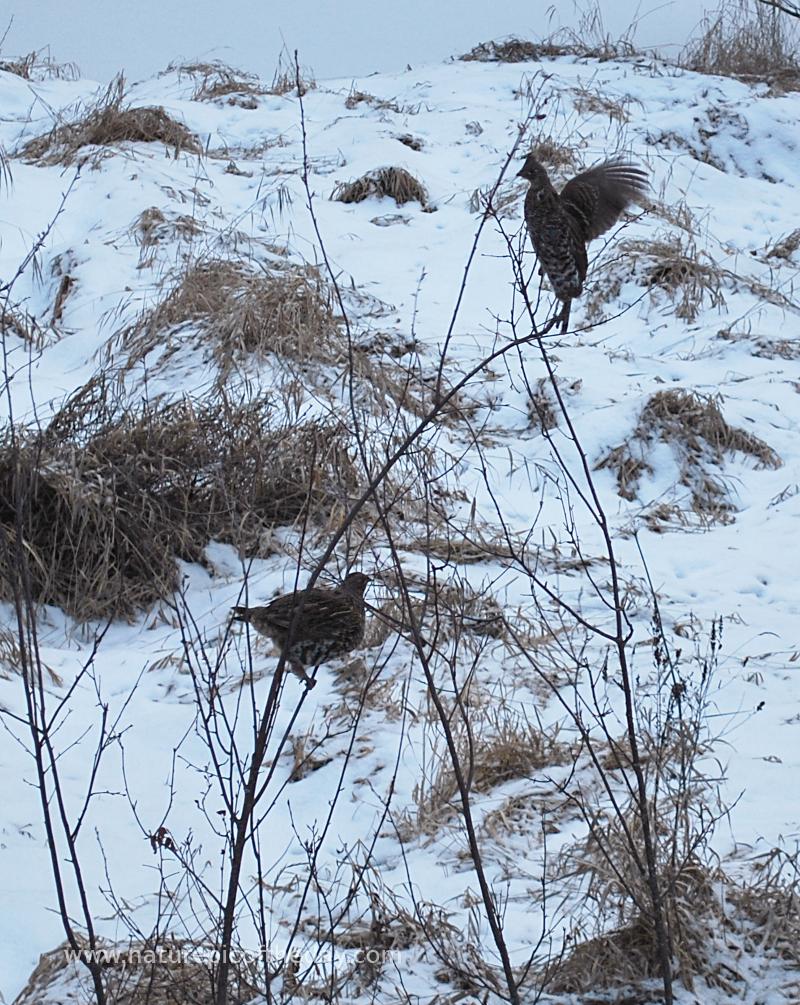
[330, 623]
[561, 225]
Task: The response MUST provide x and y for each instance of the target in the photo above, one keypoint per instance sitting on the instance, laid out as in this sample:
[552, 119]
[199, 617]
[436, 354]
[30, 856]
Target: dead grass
[594, 102]
[154, 226]
[15, 320]
[284, 309]
[109, 499]
[392, 182]
[542, 406]
[109, 122]
[502, 746]
[693, 424]
[786, 246]
[690, 278]
[173, 972]
[752, 42]
[39, 65]
[6, 177]
[671, 264]
[555, 155]
[506, 202]
[285, 78]
[511, 50]
[764, 346]
[217, 80]
[356, 97]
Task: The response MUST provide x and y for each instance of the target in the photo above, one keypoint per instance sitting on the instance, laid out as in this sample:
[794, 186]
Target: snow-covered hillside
[680, 378]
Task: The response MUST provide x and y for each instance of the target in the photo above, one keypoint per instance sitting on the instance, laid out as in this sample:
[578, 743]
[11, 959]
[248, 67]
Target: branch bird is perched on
[562, 224]
[328, 623]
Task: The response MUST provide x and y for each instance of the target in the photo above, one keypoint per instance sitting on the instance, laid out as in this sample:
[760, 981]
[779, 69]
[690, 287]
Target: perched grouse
[561, 225]
[330, 623]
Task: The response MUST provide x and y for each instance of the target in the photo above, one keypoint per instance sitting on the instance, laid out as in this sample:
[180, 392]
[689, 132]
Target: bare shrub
[394, 182]
[109, 122]
[695, 426]
[750, 42]
[284, 309]
[109, 500]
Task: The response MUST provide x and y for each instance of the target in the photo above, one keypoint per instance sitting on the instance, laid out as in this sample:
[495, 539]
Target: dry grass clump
[287, 75]
[555, 155]
[217, 80]
[542, 406]
[689, 281]
[15, 320]
[109, 122]
[752, 42]
[786, 246]
[670, 263]
[591, 102]
[615, 889]
[501, 746]
[153, 227]
[771, 901]
[107, 499]
[513, 50]
[6, 177]
[39, 65]
[284, 309]
[356, 97]
[171, 972]
[506, 200]
[764, 346]
[394, 182]
[695, 427]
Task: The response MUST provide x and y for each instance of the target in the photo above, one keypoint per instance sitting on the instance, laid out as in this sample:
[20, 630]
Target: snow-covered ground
[722, 158]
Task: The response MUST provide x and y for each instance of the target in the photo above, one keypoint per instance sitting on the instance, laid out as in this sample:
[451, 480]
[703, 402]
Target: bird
[312, 626]
[562, 224]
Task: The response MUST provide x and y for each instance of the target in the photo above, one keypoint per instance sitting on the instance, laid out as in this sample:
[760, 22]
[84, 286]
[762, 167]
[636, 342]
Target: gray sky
[336, 38]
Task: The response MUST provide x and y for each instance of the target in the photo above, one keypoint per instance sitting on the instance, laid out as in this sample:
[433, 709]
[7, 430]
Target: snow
[729, 151]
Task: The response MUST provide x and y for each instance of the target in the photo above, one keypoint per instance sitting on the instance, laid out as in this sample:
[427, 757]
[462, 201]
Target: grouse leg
[565, 316]
[299, 670]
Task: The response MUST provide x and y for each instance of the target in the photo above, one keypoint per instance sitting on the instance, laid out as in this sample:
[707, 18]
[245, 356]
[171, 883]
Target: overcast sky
[336, 38]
